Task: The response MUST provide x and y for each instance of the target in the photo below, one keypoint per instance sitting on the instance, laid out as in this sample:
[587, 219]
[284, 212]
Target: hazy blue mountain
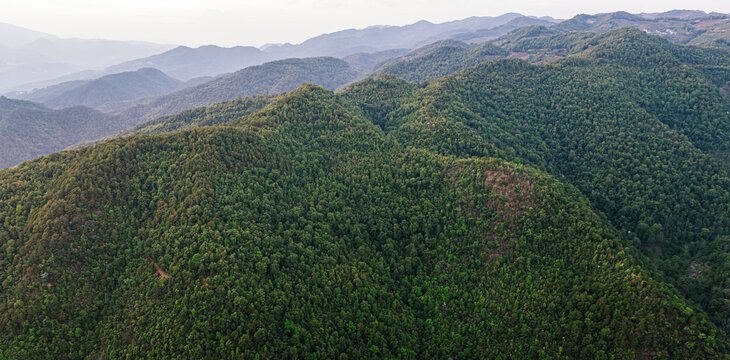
[93, 53]
[106, 90]
[367, 61]
[11, 76]
[29, 59]
[11, 35]
[274, 77]
[378, 38]
[490, 34]
[9, 105]
[186, 63]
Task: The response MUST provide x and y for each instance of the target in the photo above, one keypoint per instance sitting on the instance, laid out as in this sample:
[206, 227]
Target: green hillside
[572, 206]
[637, 135]
[31, 130]
[303, 230]
[440, 59]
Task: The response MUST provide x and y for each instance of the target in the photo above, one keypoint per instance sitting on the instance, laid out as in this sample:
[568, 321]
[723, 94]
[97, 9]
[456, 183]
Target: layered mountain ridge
[546, 194]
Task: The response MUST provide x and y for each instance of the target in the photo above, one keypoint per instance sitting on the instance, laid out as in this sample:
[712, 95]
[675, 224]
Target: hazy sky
[247, 22]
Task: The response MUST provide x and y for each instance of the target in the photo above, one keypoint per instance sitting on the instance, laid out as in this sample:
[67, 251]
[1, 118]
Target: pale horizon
[245, 23]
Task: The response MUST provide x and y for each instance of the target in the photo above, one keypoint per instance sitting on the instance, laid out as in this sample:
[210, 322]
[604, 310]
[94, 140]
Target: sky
[257, 22]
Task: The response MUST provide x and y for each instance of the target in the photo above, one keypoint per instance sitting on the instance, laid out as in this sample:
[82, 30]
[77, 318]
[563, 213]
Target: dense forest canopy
[571, 209]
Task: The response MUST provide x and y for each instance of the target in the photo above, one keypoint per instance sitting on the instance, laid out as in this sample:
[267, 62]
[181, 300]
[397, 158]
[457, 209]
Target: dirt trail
[159, 271]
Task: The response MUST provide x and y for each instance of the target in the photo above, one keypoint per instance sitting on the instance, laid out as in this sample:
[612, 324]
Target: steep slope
[627, 123]
[186, 63]
[29, 132]
[303, 230]
[216, 114]
[275, 77]
[8, 105]
[440, 59]
[106, 90]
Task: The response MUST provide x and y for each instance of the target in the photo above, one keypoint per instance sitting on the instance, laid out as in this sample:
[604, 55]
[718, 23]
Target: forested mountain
[29, 130]
[539, 40]
[440, 59]
[678, 14]
[106, 91]
[303, 228]
[547, 194]
[709, 30]
[275, 77]
[186, 63]
[673, 127]
[627, 122]
[540, 44]
[8, 105]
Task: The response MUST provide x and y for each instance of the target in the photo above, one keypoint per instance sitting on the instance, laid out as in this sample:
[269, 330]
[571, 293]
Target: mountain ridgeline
[107, 91]
[274, 77]
[186, 63]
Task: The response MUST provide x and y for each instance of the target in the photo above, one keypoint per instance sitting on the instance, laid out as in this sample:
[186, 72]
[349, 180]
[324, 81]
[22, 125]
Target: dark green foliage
[635, 134]
[377, 98]
[566, 210]
[304, 231]
[204, 116]
[541, 45]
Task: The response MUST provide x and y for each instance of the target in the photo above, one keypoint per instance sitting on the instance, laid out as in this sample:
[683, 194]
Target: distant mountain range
[106, 91]
[53, 59]
[275, 77]
[379, 38]
[29, 57]
[134, 94]
[683, 27]
[186, 63]
[32, 60]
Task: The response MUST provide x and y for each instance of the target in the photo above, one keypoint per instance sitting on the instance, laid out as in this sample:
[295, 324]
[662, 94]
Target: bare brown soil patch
[162, 274]
[508, 197]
